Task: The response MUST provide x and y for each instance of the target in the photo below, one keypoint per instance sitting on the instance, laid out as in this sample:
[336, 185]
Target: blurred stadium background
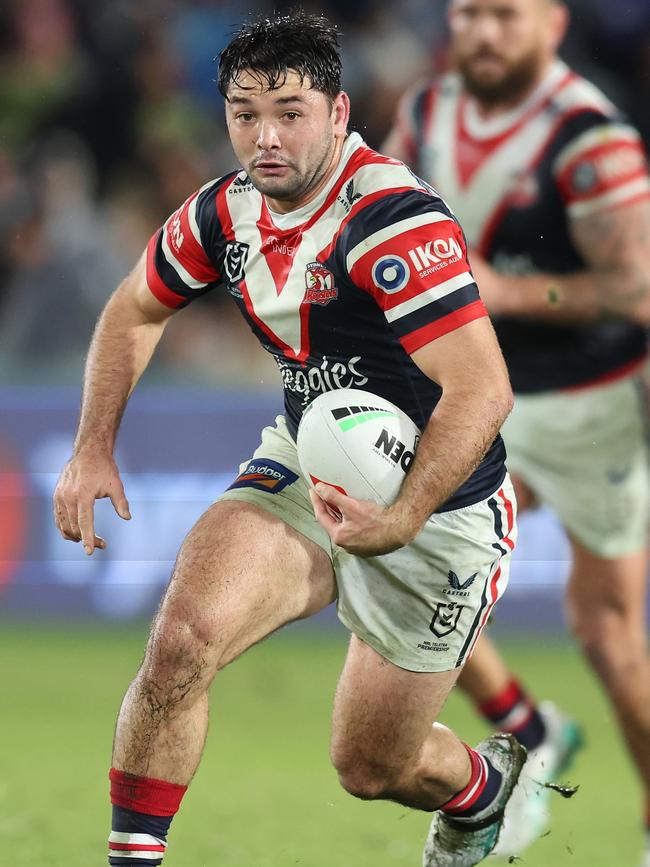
[109, 118]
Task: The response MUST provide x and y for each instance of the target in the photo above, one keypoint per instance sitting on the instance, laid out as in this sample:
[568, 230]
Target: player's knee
[360, 778]
[366, 783]
[178, 659]
[614, 646]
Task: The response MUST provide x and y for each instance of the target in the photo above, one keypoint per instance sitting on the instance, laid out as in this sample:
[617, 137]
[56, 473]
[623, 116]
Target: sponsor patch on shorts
[264, 475]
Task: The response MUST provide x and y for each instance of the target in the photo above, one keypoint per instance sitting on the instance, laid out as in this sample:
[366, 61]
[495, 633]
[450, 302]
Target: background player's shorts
[584, 454]
[423, 606]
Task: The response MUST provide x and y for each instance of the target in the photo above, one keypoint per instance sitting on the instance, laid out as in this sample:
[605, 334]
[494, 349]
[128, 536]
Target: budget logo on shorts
[264, 475]
[319, 281]
[445, 618]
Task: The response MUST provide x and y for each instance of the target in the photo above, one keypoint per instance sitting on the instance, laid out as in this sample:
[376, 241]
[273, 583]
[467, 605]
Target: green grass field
[265, 795]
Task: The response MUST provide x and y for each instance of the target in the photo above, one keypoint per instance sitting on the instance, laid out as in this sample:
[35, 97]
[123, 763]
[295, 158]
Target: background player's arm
[615, 245]
[400, 143]
[124, 340]
[395, 146]
[475, 402]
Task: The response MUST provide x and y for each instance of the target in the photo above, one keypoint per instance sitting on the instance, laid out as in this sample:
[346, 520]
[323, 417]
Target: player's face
[285, 138]
[501, 46]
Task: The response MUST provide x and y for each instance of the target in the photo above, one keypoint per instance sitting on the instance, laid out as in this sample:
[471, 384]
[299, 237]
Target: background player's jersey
[341, 291]
[515, 183]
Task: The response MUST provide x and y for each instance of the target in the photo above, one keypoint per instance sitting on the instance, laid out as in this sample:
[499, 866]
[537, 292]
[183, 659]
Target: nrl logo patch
[445, 618]
[319, 282]
[234, 261]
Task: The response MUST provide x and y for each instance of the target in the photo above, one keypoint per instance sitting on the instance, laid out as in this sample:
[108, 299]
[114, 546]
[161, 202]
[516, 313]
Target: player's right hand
[85, 478]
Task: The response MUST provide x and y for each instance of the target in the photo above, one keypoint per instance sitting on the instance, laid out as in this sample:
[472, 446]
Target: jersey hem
[628, 369]
[454, 504]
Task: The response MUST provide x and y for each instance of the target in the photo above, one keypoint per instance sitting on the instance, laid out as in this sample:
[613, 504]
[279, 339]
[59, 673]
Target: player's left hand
[359, 526]
[492, 286]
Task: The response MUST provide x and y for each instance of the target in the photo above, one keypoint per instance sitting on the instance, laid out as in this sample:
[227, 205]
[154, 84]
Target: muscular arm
[615, 245]
[476, 399]
[124, 340]
[125, 337]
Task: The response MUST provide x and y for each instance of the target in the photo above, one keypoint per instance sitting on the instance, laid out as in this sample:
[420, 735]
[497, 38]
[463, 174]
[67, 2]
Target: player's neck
[286, 206]
[490, 110]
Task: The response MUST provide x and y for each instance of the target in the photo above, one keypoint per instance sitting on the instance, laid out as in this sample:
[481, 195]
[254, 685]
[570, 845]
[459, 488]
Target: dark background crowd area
[110, 117]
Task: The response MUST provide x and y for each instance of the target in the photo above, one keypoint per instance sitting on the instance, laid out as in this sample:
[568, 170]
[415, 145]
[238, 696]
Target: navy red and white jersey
[340, 291]
[516, 182]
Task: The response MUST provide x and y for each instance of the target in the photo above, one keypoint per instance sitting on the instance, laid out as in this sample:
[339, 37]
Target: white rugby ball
[357, 442]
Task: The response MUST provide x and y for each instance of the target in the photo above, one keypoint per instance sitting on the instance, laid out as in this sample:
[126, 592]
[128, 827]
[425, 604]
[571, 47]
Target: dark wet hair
[271, 47]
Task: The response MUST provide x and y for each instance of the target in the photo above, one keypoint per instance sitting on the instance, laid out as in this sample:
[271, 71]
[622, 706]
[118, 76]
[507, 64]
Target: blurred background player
[551, 187]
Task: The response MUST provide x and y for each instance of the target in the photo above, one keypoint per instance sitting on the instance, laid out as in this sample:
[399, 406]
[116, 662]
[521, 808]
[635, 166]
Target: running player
[313, 199]
[551, 187]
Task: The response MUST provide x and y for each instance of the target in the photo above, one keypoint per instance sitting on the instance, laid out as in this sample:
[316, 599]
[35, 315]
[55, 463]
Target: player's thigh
[241, 573]
[584, 455]
[606, 599]
[383, 713]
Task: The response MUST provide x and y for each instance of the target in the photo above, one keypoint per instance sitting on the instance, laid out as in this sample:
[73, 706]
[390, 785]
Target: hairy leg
[606, 608]
[384, 743]
[240, 575]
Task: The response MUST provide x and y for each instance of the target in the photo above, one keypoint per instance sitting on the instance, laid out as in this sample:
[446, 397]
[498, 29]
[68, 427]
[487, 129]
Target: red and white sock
[514, 711]
[143, 809]
[481, 790]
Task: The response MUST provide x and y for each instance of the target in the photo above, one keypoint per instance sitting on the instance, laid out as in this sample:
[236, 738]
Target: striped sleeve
[603, 167]
[417, 271]
[180, 266]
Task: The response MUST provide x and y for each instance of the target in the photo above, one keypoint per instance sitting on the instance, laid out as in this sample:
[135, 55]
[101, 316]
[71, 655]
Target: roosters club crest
[319, 282]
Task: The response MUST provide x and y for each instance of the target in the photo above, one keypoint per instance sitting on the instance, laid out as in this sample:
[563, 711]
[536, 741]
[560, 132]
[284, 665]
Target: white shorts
[584, 454]
[422, 607]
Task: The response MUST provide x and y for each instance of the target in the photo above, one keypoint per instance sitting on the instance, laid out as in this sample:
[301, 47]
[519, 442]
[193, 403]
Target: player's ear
[559, 19]
[341, 113]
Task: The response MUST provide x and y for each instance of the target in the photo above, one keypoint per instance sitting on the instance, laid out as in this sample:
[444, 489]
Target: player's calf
[442, 774]
[165, 707]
